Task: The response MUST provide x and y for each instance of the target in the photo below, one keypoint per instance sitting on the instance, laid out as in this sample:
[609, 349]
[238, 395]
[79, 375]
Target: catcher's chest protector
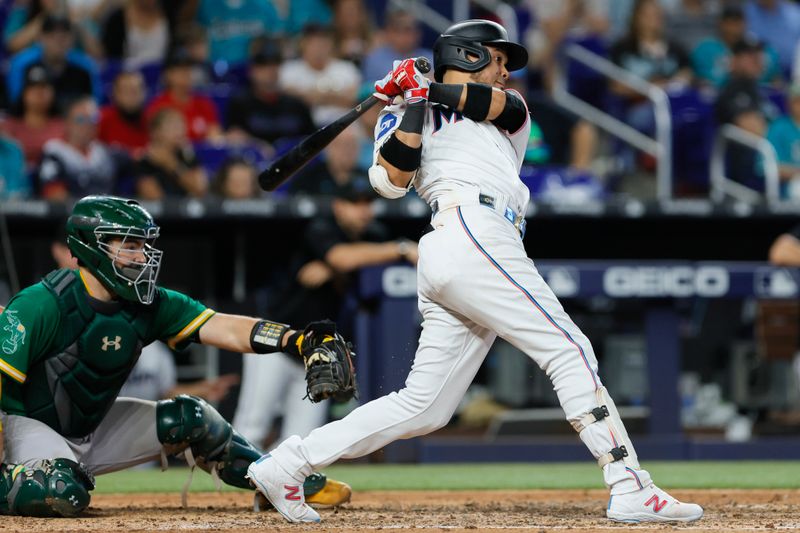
[72, 388]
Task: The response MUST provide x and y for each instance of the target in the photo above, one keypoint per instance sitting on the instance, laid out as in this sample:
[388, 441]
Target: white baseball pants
[475, 282]
[273, 384]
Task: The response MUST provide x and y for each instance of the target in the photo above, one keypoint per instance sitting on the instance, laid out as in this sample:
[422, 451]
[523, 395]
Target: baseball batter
[460, 142]
[68, 343]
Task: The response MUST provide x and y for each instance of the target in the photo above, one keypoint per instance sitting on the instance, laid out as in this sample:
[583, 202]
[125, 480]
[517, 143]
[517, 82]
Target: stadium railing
[722, 186]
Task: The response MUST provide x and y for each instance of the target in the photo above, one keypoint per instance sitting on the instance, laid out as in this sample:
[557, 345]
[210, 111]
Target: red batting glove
[413, 82]
[386, 89]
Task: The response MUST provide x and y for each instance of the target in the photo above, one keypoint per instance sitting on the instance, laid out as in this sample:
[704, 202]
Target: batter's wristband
[448, 94]
[400, 155]
[414, 118]
[265, 337]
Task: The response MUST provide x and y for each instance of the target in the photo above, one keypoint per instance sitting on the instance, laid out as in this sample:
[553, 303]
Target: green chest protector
[73, 387]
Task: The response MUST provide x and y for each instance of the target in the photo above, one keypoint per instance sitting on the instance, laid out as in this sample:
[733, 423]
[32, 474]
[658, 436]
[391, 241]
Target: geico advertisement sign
[680, 281]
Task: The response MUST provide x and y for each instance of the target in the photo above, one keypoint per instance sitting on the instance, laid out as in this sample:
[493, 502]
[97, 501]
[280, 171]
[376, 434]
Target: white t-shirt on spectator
[337, 75]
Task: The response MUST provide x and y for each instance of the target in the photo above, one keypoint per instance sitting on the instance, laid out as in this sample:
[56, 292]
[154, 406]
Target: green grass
[696, 475]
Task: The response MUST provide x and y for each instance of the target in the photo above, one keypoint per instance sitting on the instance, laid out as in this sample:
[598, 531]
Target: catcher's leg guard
[190, 422]
[603, 432]
[52, 488]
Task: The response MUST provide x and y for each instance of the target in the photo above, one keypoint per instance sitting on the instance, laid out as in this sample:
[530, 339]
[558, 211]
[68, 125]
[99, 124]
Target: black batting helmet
[468, 37]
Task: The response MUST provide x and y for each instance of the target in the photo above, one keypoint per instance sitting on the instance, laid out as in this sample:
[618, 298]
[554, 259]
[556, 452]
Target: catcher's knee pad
[51, 488]
[607, 450]
[190, 422]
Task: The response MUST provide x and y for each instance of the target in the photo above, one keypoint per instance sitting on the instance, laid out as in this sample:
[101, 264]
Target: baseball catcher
[68, 343]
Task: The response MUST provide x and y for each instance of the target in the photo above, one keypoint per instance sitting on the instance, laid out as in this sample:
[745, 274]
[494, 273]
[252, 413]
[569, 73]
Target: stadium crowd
[155, 98]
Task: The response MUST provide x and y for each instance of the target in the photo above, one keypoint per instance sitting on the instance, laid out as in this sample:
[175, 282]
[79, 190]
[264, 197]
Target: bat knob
[423, 65]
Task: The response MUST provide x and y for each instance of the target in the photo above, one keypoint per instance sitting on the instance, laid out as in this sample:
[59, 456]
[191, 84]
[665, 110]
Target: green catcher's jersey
[65, 355]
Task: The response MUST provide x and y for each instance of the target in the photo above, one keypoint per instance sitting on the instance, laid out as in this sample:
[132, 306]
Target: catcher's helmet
[468, 37]
[97, 219]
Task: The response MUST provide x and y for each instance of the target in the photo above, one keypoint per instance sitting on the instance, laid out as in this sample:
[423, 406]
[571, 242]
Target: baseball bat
[293, 160]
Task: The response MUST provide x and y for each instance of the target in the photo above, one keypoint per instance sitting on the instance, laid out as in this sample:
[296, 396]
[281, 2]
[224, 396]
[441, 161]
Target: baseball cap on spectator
[747, 44]
[355, 190]
[267, 52]
[53, 23]
[36, 75]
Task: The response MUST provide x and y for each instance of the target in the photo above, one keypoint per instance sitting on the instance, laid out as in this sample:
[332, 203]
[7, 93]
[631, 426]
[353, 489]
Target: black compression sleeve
[448, 94]
[514, 114]
[400, 155]
[414, 118]
[476, 104]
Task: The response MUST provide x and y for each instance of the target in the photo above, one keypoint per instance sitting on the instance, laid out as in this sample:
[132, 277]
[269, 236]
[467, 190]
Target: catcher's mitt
[328, 358]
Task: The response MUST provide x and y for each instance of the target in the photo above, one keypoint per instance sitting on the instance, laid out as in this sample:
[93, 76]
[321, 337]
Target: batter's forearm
[352, 256]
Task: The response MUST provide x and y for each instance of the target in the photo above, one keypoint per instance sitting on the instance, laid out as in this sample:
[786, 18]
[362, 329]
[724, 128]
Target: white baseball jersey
[491, 161]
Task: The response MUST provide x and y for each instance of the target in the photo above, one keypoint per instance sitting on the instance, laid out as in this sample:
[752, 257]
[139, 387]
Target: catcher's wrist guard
[266, 336]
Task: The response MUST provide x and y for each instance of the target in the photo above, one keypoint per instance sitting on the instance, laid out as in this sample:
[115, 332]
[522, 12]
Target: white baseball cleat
[651, 504]
[282, 490]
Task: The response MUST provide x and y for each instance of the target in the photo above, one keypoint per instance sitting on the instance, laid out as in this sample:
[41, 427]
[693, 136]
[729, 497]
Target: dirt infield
[576, 511]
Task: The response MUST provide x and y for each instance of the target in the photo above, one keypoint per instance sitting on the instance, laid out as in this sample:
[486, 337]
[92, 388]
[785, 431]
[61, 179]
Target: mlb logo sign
[775, 283]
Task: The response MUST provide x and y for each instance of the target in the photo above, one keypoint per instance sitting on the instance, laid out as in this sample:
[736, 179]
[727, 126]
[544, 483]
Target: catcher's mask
[113, 238]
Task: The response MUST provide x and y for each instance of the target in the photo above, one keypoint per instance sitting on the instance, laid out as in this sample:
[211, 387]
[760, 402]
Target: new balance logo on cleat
[292, 492]
[657, 505]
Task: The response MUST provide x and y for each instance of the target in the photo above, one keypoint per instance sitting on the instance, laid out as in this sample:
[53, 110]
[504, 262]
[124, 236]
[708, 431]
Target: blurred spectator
[776, 22]
[784, 134]
[711, 58]
[232, 24]
[402, 38]
[122, 122]
[295, 14]
[137, 33]
[14, 181]
[740, 101]
[785, 250]
[645, 52]
[560, 22]
[25, 22]
[352, 30]
[169, 166]
[72, 73]
[328, 85]
[78, 164]
[236, 180]
[691, 21]
[264, 111]
[367, 122]
[321, 271]
[558, 136]
[198, 110]
[34, 121]
[339, 165]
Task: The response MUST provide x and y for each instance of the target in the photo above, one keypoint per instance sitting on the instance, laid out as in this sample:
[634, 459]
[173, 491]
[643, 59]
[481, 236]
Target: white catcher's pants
[475, 282]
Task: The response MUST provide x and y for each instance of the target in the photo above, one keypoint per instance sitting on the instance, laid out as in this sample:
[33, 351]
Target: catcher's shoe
[283, 491]
[651, 504]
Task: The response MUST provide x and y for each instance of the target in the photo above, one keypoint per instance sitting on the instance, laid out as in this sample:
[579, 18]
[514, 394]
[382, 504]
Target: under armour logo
[198, 412]
[657, 504]
[73, 500]
[116, 343]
